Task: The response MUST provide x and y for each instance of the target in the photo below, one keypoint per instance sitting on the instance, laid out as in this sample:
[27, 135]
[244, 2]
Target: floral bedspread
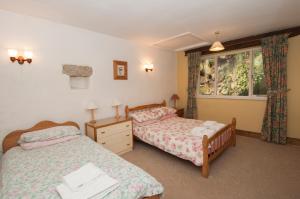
[34, 174]
[173, 136]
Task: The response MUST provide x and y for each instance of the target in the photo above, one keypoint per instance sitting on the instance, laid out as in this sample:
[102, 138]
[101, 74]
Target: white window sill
[259, 98]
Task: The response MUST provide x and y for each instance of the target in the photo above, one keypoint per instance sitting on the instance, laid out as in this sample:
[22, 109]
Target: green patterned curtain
[274, 51]
[193, 69]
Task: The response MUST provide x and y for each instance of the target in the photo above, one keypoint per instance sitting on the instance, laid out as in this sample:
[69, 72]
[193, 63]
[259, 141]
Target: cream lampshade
[217, 45]
[116, 103]
[92, 107]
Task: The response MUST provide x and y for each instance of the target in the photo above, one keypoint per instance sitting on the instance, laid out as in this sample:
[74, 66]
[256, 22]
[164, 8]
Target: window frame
[214, 56]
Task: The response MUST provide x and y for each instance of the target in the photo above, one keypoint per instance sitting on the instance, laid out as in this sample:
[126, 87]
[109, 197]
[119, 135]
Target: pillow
[39, 144]
[49, 134]
[162, 111]
[143, 116]
[168, 116]
[144, 123]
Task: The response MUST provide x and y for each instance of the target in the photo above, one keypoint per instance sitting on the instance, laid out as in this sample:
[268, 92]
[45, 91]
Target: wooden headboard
[11, 140]
[147, 106]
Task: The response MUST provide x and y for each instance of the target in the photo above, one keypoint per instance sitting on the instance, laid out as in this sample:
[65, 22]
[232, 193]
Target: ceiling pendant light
[217, 45]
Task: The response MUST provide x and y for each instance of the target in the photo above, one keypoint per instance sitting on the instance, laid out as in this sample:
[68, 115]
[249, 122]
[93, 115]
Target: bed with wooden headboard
[212, 147]
[41, 169]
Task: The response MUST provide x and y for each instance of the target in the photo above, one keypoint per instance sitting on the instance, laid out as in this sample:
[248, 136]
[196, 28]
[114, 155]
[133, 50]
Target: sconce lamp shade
[91, 106]
[116, 102]
[27, 54]
[148, 67]
[12, 52]
[175, 97]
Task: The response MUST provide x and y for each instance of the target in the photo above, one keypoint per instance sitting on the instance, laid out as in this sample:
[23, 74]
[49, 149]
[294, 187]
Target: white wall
[39, 91]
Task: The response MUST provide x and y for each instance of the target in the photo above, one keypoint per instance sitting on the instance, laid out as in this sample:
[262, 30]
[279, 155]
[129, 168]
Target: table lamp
[174, 97]
[92, 107]
[116, 105]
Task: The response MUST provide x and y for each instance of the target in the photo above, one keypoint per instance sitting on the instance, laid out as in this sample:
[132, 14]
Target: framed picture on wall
[120, 70]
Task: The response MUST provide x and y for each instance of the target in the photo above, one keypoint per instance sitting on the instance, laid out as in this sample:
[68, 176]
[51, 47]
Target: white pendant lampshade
[217, 45]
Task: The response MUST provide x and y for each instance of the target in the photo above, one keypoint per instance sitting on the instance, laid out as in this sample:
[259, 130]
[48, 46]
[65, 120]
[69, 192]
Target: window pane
[206, 77]
[233, 74]
[259, 86]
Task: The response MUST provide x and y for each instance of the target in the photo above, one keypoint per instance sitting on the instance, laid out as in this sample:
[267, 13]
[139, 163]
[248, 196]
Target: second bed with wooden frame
[212, 147]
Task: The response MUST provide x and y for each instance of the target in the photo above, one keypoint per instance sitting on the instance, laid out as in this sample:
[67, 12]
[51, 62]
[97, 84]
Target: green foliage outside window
[259, 85]
[207, 77]
[233, 74]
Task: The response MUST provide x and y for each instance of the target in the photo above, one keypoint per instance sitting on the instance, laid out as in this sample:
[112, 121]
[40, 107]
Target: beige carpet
[253, 169]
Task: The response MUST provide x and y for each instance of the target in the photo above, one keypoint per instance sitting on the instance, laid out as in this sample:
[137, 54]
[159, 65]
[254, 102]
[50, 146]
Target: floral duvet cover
[174, 136]
[34, 174]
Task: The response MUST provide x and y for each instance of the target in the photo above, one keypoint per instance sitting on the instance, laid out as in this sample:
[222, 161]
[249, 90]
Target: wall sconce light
[13, 55]
[148, 67]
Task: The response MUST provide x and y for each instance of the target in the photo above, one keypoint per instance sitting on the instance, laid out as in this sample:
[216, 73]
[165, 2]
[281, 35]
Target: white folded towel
[201, 131]
[82, 176]
[216, 127]
[96, 189]
[208, 128]
[209, 123]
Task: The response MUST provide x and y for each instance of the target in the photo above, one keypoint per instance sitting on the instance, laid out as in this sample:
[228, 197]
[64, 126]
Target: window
[207, 77]
[236, 74]
[259, 85]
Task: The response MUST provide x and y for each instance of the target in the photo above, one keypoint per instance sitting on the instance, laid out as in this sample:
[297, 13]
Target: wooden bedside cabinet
[113, 134]
[180, 112]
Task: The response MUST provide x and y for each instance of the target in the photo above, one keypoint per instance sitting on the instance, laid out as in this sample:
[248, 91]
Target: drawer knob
[127, 135]
[127, 125]
[103, 132]
[103, 143]
[128, 144]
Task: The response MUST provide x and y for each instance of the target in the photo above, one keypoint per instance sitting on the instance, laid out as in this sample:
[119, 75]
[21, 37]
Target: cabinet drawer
[113, 129]
[119, 148]
[117, 142]
[124, 136]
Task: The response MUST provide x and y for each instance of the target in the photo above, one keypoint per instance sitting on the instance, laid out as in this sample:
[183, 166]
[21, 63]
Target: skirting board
[294, 141]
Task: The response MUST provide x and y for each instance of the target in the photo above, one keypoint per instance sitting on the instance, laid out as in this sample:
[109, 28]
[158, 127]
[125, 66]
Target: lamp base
[117, 113]
[93, 116]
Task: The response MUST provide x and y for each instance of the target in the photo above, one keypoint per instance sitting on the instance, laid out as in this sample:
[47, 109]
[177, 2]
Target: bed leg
[233, 132]
[205, 164]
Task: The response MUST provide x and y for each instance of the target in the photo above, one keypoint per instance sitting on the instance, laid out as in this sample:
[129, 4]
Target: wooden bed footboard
[214, 146]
